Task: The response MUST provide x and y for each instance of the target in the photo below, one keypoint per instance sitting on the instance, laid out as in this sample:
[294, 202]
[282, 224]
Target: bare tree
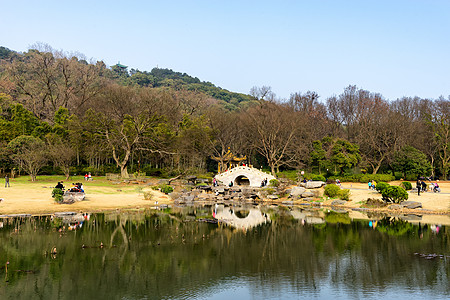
[262, 93]
[61, 153]
[272, 129]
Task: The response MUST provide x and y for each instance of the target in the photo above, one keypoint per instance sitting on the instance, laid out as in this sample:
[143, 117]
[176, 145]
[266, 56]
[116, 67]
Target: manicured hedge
[406, 185]
[394, 194]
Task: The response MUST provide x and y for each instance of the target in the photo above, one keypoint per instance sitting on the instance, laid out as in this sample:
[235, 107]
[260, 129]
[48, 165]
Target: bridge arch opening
[242, 180]
[242, 214]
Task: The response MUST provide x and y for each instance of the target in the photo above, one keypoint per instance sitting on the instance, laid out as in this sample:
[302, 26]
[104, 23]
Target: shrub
[332, 190]
[57, 194]
[148, 195]
[269, 191]
[289, 174]
[344, 194]
[394, 194]
[318, 178]
[406, 185]
[381, 186]
[166, 189]
[274, 182]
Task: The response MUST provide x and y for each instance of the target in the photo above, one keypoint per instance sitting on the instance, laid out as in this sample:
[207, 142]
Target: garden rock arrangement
[312, 184]
[411, 204]
[222, 193]
[299, 192]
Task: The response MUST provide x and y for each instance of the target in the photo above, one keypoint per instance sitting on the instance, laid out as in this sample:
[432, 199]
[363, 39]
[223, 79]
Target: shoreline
[103, 196]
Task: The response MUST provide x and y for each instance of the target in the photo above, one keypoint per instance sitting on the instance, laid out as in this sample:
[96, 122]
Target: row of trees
[95, 116]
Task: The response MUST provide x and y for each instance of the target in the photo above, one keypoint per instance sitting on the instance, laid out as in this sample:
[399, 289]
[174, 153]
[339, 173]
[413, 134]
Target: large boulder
[314, 184]
[411, 204]
[296, 192]
[307, 194]
[338, 202]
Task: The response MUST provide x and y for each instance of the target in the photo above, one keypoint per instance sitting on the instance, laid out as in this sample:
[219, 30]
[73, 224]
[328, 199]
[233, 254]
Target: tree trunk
[124, 171]
[272, 168]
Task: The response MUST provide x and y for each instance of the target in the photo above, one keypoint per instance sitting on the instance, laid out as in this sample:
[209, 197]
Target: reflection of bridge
[243, 176]
[241, 218]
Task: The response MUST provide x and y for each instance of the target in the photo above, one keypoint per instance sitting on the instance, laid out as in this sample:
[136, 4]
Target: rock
[411, 218]
[174, 195]
[272, 197]
[308, 199]
[65, 213]
[338, 202]
[360, 209]
[163, 181]
[411, 204]
[296, 192]
[191, 179]
[314, 184]
[195, 192]
[288, 202]
[206, 188]
[220, 190]
[338, 210]
[307, 194]
[395, 206]
[188, 198]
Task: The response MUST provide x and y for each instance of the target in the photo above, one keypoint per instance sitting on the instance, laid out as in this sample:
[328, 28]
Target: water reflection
[204, 252]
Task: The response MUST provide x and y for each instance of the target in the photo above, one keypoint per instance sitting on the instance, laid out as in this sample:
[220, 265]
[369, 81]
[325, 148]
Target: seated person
[59, 185]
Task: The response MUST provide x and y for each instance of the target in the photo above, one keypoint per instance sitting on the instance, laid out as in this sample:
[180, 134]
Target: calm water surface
[251, 253]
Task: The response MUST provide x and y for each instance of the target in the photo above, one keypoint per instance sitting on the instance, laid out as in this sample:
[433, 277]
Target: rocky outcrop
[411, 204]
[338, 202]
[312, 184]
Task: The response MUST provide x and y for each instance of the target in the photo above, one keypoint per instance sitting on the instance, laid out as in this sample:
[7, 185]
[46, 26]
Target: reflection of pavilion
[240, 218]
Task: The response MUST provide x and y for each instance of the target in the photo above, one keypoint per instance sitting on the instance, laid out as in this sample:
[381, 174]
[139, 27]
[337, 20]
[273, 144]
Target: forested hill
[158, 77]
[165, 77]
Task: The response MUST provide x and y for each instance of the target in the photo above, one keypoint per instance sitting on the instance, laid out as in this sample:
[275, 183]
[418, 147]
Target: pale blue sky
[396, 48]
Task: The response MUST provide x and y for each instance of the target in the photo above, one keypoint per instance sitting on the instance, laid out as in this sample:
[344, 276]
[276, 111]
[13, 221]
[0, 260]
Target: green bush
[406, 185]
[270, 191]
[148, 195]
[411, 177]
[318, 178]
[394, 194]
[166, 189]
[292, 175]
[274, 182]
[344, 194]
[332, 190]
[381, 186]
[57, 194]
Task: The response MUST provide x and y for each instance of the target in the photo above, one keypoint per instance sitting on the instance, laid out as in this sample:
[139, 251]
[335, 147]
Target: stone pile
[222, 194]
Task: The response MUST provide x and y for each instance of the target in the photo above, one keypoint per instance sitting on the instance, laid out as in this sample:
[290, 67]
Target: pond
[222, 252]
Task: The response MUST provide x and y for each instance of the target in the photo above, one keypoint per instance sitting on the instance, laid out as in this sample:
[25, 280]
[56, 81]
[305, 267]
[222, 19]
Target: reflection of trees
[160, 255]
[393, 226]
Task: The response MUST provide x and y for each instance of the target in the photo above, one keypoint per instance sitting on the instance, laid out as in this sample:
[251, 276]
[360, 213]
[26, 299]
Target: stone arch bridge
[243, 175]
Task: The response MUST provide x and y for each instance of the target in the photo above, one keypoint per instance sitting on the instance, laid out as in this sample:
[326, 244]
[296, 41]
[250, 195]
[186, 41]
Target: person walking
[7, 181]
[418, 184]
